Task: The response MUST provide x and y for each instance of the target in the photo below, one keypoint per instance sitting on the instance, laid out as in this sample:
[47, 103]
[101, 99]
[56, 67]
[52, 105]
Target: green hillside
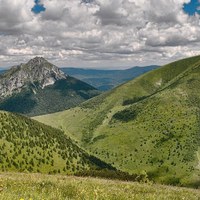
[148, 125]
[29, 146]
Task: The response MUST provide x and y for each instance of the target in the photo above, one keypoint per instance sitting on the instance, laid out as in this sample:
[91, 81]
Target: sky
[107, 34]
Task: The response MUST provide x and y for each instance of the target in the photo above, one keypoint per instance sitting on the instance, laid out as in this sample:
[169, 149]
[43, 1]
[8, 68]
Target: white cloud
[16, 16]
[98, 32]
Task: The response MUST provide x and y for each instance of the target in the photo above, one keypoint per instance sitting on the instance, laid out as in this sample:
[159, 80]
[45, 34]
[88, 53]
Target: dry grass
[16, 186]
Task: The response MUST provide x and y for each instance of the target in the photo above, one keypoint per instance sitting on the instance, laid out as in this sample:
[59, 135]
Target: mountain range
[39, 87]
[107, 79]
[149, 125]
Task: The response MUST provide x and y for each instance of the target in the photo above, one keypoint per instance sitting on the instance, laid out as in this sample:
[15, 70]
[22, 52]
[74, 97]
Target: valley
[142, 126]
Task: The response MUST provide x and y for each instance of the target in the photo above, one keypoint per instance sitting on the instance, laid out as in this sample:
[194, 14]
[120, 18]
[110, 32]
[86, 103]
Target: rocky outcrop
[38, 72]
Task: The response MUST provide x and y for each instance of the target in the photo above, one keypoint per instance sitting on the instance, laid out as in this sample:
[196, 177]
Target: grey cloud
[98, 32]
[109, 17]
[15, 16]
[88, 1]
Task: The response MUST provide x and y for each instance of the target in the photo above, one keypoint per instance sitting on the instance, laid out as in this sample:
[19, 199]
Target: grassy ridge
[27, 145]
[160, 136]
[37, 187]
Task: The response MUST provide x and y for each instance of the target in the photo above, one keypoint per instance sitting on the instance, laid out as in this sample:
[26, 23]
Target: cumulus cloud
[16, 16]
[100, 33]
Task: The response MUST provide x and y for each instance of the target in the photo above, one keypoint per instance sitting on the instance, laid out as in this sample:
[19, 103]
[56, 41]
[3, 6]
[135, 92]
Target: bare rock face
[37, 72]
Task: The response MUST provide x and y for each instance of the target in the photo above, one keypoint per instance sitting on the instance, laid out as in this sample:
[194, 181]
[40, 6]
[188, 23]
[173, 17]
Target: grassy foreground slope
[149, 125]
[37, 187]
[27, 145]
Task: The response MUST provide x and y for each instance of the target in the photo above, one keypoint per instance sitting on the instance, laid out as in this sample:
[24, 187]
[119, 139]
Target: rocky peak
[42, 71]
[37, 70]
[37, 61]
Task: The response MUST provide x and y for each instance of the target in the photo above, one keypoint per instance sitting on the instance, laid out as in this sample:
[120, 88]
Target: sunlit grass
[16, 186]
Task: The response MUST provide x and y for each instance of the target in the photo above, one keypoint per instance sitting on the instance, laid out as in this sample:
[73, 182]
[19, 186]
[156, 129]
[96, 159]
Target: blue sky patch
[38, 7]
[192, 7]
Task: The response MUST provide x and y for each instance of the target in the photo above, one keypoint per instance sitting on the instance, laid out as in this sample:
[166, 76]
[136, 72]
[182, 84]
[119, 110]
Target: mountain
[39, 87]
[107, 79]
[148, 125]
[27, 145]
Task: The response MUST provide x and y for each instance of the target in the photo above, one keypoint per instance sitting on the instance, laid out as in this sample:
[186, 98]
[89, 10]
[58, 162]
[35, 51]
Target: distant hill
[39, 87]
[2, 71]
[29, 146]
[148, 125]
[107, 79]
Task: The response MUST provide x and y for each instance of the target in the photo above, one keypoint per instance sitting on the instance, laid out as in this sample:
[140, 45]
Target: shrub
[125, 115]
